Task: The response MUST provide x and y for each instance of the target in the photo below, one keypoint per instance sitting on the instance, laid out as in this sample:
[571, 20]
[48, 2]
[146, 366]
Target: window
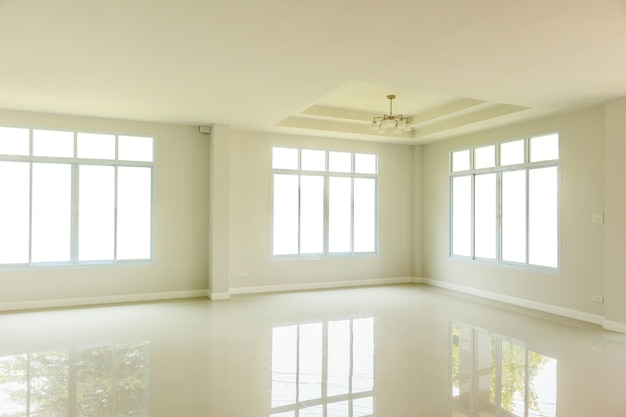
[323, 369]
[324, 202]
[73, 197]
[504, 202]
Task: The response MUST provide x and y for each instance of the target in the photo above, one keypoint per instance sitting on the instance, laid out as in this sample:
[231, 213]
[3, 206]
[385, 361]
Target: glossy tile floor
[391, 351]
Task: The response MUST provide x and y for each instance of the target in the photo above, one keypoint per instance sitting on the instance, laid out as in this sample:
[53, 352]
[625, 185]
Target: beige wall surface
[250, 216]
[582, 243]
[180, 206]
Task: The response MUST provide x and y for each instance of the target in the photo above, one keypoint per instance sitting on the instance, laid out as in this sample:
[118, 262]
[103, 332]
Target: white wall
[582, 193]
[180, 266]
[250, 217]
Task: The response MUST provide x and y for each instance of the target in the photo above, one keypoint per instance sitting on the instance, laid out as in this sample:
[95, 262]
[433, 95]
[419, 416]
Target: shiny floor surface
[390, 351]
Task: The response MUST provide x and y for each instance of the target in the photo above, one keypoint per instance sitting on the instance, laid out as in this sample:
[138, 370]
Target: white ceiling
[321, 67]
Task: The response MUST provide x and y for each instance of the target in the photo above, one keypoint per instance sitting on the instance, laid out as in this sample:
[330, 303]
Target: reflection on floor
[394, 351]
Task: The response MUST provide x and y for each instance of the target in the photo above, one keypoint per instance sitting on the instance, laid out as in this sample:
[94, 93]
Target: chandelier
[399, 123]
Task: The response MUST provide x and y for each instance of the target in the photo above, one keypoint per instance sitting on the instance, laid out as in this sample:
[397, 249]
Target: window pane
[313, 160]
[485, 216]
[14, 212]
[96, 212]
[485, 157]
[340, 161]
[514, 216]
[134, 212]
[461, 160]
[513, 380]
[338, 382]
[363, 355]
[339, 214]
[51, 218]
[364, 215]
[96, 146]
[311, 214]
[285, 214]
[365, 163]
[543, 217]
[544, 148]
[512, 153]
[284, 158]
[284, 365]
[135, 148]
[54, 143]
[310, 361]
[462, 216]
[14, 141]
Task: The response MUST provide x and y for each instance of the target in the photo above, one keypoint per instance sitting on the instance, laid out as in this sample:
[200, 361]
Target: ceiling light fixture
[399, 123]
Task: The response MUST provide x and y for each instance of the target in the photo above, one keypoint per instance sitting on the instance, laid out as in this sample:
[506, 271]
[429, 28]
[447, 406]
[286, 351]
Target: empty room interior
[330, 209]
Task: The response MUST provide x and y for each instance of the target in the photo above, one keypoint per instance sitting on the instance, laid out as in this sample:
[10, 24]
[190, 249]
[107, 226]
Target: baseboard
[219, 295]
[614, 326]
[520, 302]
[110, 299]
[320, 285]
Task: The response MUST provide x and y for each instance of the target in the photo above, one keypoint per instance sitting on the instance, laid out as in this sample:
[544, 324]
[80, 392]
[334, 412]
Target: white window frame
[498, 170]
[75, 162]
[327, 174]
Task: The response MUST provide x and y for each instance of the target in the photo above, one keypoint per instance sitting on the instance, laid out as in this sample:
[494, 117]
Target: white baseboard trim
[520, 302]
[109, 299]
[219, 295]
[320, 285]
[614, 326]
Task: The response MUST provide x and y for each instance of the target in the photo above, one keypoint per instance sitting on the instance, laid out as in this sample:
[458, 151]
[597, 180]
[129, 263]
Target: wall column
[615, 215]
[219, 213]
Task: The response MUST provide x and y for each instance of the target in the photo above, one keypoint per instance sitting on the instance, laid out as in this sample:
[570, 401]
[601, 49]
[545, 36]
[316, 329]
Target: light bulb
[374, 125]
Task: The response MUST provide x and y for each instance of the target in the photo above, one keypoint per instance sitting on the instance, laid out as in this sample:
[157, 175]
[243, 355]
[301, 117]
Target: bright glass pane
[485, 216]
[544, 148]
[310, 360]
[313, 160]
[339, 214]
[514, 216]
[543, 382]
[363, 407]
[543, 217]
[135, 148]
[14, 212]
[55, 143]
[95, 146]
[338, 409]
[513, 380]
[338, 381]
[14, 141]
[311, 214]
[96, 204]
[365, 163]
[284, 365]
[134, 212]
[461, 160]
[485, 157]
[512, 153]
[364, 215]
[49, 380]
[51, 212]
[284, 158]
[340, 161]
[462, 216]
[285, 232]
[363, 355]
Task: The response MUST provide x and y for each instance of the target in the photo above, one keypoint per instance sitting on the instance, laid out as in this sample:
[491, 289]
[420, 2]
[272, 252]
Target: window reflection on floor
[492, 375]
[100, 381]
[323, 369]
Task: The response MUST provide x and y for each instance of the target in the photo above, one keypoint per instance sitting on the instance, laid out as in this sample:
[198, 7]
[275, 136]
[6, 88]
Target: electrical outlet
[597, 298]
[238, 274]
